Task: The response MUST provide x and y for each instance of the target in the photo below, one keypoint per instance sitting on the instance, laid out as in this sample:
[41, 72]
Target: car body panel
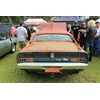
[49, 27]
[5, 45]
[52, 46]
[14, 39]
[5, 42]
[42, 66]
[52, 53]
[2, 48]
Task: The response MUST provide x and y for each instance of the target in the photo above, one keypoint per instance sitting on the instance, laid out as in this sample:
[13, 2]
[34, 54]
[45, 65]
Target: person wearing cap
[22, 35]
[75, 29]
[96, 48]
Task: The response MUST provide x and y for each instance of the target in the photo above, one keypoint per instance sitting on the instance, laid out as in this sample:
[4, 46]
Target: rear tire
[13, 48]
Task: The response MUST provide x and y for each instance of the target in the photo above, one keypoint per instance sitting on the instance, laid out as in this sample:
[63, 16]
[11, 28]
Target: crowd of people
[88, 36]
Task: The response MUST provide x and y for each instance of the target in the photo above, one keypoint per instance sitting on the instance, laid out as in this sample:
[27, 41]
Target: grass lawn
[9, 73]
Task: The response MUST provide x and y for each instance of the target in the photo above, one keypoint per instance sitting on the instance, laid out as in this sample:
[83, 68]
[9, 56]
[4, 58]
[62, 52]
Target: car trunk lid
[52, 47]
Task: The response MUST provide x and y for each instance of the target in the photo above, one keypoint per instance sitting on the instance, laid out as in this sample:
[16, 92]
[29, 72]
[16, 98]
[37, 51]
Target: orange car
[52, 50]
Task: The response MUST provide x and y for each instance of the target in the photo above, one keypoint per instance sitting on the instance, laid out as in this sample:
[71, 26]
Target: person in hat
[96, 48]
[22, 35]
[75, 29]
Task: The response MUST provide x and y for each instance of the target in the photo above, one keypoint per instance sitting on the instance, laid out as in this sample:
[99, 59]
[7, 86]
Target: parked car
[52, 50]
[6, 44]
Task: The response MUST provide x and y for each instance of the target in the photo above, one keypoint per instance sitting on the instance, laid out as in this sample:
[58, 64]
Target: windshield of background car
[53, 37]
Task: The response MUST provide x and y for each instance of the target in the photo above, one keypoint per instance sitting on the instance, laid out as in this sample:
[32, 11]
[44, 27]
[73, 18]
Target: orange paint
[52, 46]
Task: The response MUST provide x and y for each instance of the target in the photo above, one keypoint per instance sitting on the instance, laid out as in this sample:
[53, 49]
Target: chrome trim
[52, 64]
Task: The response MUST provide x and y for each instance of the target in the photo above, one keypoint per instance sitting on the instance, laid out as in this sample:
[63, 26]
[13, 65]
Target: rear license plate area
[52, 70]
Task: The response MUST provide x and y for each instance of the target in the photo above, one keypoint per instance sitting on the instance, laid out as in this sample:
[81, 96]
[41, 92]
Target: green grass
[9, 73]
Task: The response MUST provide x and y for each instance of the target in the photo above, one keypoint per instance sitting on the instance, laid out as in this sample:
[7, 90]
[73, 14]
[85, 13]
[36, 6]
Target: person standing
[90, 34]
[75, 29]
[12, 32]
[22, 35]
[29, 31]
[69, 27]
[82, 35]
[96, 48]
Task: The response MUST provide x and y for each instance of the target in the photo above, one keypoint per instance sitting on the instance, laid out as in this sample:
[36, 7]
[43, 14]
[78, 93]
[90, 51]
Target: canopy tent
[68, 18]
[35, 20]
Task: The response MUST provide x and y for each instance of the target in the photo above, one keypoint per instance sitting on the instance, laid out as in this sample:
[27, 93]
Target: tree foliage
[93, 18]
[17, 19]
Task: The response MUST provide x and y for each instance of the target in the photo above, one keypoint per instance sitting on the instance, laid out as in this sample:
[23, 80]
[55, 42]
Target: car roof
[52, 28]
[52, 32]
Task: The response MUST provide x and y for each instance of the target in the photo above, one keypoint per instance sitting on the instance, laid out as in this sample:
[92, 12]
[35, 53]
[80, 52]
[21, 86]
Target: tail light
[26, 59]
[78, 59]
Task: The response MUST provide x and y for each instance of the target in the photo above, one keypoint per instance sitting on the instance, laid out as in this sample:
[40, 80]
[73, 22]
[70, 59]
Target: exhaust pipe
[52, 75]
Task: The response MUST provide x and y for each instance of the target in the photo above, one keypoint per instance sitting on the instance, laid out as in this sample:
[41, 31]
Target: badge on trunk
[52, 55]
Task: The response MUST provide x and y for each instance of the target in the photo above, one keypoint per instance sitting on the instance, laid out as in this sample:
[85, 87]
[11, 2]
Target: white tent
[35, 20]
[98, 20]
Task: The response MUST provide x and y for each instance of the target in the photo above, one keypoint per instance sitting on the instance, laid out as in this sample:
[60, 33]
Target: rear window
[53, 37]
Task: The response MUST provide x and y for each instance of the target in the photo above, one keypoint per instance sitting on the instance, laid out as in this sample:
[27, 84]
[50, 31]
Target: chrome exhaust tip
[52, 75]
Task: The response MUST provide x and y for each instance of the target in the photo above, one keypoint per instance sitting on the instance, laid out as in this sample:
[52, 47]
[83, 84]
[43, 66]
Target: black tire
[13, 48]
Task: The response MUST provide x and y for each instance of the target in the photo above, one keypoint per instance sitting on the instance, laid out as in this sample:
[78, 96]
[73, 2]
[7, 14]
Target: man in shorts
[22, 35]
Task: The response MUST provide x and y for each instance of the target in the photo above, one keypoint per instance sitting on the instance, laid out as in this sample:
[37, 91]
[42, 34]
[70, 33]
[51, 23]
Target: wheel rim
[13, 48]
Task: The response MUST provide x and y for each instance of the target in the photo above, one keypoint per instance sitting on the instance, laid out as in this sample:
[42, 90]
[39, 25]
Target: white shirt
[98, 31]
[21, 31]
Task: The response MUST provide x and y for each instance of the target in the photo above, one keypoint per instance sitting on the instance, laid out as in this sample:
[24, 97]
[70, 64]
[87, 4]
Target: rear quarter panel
[5, 46]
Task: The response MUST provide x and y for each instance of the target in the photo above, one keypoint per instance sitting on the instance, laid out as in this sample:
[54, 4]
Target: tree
[93, 18]
[17, 19]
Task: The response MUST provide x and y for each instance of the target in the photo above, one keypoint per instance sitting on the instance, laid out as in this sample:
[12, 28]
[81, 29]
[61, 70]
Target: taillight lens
[26, 59]
[78, 59]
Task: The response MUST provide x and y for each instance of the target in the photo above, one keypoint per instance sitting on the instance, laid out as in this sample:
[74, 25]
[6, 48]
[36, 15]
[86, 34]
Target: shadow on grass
[46, 78]
[6, 55]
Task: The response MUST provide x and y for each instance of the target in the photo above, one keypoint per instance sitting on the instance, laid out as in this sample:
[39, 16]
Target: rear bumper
[41, 66]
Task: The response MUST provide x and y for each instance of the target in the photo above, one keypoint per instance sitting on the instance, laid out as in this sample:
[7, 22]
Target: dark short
[22, 44]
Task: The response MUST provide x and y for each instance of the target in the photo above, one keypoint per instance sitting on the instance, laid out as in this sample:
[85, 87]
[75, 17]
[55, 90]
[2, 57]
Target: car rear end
[52, 62]
[52, 50]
